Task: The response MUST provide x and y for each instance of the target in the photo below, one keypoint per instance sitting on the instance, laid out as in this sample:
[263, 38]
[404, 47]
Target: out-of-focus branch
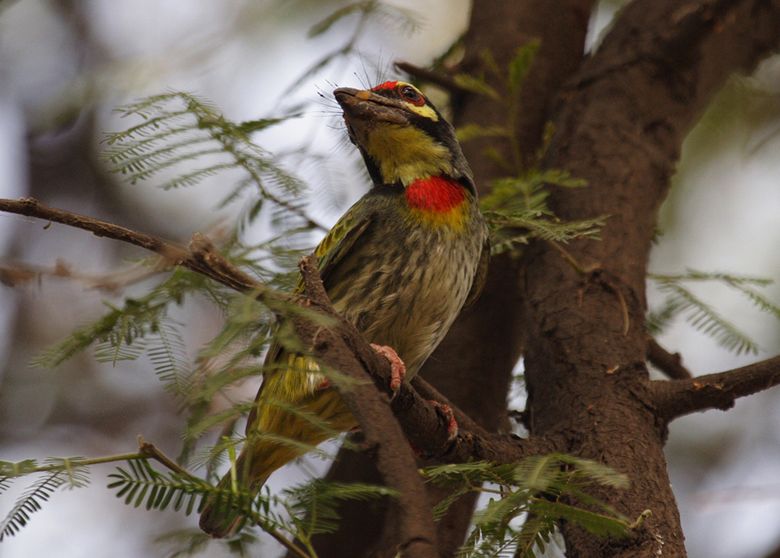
[676, 398]
[200, 256]
[14, 274]
[437, 78]
[668, 363]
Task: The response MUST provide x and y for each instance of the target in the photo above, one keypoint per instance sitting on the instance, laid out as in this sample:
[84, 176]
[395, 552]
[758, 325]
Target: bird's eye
[410, 94]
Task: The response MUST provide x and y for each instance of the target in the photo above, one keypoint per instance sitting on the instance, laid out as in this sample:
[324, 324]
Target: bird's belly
[409, 296]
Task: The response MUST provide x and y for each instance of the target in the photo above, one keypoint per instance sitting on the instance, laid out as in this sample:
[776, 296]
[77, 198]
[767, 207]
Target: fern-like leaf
[30, 502]
[524, 513]
[681, 300]
[707, 320]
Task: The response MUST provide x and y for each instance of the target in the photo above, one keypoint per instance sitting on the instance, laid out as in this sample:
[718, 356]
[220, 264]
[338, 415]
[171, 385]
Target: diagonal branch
[676, 398]
[343, 349]
[200, 257]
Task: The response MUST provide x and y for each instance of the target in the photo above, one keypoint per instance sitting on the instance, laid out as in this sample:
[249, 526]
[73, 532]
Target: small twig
[201, 257]
[286, 543]
[148, 449]
[668, 363]
[78, 462]
[675, 398]
[442, 80]
[568, 257]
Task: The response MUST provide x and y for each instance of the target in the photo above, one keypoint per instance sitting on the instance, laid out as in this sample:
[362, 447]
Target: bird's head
[401, 135]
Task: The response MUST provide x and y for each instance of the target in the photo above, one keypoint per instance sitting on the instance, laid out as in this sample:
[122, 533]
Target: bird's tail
[291, 435]
[224, 512]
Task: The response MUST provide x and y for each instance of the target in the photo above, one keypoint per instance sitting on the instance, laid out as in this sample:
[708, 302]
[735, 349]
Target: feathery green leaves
[140, 484]
[55, 474]
[532, 496]
[30, 502]
[681, 300]
[516, 211]
[313, 506]
[179, 130]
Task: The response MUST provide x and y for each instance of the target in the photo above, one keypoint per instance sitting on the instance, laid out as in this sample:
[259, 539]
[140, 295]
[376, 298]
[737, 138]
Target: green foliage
[139, 484]
[56, 474]
[516, 207]
[188, 542]
[178, 128]
[680, 300]
[516, 211]
[521, 65]
[30, 502]
[533, 495]
[403, 19]
[123, 332]
[299, 512]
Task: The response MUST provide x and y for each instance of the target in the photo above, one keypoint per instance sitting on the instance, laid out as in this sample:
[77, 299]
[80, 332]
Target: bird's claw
[449, 417]
[397, 366]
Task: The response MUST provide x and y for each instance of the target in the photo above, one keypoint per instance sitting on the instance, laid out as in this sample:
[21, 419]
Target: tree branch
[676, 398]
[668, 363]
[419, 418]
[200, 257]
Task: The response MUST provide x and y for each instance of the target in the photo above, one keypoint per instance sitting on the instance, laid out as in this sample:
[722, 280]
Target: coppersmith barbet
[400, 264]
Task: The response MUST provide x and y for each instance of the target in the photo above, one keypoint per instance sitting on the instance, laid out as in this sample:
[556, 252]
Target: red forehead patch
[385, 86]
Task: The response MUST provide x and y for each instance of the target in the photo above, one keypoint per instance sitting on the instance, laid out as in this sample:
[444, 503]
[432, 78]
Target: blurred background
[65, 64]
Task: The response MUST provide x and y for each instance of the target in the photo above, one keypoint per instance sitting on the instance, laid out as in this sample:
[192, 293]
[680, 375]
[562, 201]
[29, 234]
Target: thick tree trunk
[621, 129]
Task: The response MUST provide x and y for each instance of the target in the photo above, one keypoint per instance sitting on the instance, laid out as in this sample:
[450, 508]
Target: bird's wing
[337, 244]
[480, 275]
[329, 252]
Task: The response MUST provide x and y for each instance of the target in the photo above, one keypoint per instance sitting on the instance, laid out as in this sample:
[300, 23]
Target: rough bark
[621, 128]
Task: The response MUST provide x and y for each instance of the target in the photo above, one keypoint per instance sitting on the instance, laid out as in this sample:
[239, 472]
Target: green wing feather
[331, 251]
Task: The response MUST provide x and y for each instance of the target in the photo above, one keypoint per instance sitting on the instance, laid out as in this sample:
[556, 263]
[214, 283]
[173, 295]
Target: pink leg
[397, 366]
[449, 416]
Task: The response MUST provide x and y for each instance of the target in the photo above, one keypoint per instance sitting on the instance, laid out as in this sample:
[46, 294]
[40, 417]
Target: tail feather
[223, 516]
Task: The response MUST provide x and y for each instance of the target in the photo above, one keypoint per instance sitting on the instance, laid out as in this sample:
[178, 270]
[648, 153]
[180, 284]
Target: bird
[399, 265]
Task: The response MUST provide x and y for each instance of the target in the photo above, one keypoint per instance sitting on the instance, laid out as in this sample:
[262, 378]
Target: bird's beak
[364, 105]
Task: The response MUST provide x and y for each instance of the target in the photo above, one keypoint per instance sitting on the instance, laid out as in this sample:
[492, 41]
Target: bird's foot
[397, 366]
[446, 412]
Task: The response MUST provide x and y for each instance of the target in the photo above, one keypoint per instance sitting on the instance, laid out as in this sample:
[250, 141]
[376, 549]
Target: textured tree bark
[621, 128]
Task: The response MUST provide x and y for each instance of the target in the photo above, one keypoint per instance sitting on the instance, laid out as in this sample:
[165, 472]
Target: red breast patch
[436, 194]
